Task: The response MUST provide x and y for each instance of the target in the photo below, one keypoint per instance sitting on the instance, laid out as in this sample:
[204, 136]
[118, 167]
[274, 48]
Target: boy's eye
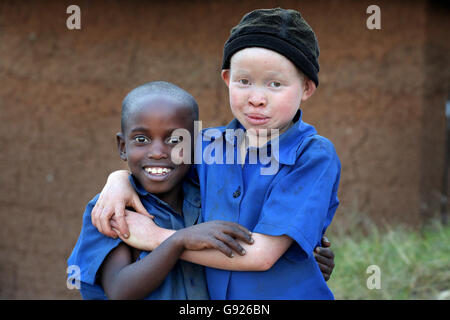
[244, 82]
[141, 139]
[174, 139]
[275, 84]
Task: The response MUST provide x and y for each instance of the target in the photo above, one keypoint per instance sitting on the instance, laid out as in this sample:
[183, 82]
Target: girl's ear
[121, 146]
[309, 89]
[226, 76]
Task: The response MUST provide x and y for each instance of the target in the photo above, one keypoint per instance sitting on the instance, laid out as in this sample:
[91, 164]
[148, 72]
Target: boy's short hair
[157, 87]
[281, 30]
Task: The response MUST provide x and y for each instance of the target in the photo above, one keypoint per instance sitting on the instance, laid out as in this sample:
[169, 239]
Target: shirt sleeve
[91, 248]
[302, 202]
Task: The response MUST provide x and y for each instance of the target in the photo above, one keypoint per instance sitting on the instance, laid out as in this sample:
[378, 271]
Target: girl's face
[265, 89]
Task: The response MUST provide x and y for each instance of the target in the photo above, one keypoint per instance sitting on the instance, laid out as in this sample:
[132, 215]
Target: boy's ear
[121, 146]
[309, 89]
[226, 76]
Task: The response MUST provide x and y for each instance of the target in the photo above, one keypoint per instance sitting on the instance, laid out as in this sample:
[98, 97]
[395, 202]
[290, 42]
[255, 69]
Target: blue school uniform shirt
[299, 201]
[185, 280]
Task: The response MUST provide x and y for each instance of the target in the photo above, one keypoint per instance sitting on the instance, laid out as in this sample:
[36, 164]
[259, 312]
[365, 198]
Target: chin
[158, 189]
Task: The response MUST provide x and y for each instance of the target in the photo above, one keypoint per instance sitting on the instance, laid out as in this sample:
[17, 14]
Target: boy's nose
[158, 151]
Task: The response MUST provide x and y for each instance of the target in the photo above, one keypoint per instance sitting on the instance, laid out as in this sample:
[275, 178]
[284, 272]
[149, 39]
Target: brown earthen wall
[380, 100]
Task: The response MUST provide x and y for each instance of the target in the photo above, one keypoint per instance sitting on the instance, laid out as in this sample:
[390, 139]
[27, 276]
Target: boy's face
[265, 89]
[148, 141]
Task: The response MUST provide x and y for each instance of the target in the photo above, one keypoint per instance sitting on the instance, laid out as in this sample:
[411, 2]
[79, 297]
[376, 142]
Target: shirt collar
[288, 142]
[190, 193]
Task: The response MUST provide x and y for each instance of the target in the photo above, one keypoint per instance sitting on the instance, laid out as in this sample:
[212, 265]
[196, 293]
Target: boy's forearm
[137, 280]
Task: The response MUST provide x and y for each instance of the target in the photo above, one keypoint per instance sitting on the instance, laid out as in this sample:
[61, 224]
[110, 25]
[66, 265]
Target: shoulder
[318, 149]
[317, 142]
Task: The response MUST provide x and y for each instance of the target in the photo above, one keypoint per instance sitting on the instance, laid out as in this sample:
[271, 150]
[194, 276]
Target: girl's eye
[244, 82]
[141, 139]
[174, 140]
[275, 84]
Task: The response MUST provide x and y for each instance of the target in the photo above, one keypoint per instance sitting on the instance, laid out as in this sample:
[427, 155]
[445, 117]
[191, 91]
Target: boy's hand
[220, 235]
[325, 258]
[117, 194]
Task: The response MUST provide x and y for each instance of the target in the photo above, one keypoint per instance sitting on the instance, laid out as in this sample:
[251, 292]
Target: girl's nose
[257, 99]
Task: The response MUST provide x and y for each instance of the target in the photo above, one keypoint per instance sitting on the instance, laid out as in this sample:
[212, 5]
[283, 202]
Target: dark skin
[146, 144]
[325, 258]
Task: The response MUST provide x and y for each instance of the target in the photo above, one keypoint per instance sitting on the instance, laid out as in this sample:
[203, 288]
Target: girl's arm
[260, 256]
[117, 194]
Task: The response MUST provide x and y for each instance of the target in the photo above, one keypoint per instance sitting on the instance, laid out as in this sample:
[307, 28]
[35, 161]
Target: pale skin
[261, 98]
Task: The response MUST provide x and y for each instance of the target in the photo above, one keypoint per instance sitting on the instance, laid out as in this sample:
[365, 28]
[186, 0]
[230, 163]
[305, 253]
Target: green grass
[413, 264]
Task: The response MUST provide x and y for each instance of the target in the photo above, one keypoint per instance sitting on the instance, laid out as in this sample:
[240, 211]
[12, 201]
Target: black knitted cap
[280, 30]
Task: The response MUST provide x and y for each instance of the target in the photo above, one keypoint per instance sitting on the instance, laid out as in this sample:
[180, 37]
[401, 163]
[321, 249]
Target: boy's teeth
[155, 170]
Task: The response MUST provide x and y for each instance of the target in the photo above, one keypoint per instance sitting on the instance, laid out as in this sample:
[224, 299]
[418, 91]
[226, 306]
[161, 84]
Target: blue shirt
[299, 201]
[185, 280]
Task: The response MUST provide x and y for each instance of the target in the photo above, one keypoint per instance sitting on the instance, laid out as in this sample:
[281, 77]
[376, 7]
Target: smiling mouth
[158, 171]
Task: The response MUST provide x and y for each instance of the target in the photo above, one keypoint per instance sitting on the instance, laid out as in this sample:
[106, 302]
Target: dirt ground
[380, 101]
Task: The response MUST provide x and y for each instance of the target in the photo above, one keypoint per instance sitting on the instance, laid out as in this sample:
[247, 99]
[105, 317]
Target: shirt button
[237, 193]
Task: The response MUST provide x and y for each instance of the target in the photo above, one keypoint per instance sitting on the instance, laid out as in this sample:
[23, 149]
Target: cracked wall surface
[380, 101]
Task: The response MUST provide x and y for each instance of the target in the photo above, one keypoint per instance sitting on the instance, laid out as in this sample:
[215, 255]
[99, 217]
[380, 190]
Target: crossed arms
[139, 231]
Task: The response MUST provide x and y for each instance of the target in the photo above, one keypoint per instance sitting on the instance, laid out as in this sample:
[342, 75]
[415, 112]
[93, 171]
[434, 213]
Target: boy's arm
[325, 258]
[123, 279]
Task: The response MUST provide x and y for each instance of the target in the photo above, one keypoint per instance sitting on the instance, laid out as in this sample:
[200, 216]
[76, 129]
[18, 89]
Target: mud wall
[380, 100]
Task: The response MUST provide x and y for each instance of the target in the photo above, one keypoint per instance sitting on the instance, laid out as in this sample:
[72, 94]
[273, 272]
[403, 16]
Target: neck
[174, 198]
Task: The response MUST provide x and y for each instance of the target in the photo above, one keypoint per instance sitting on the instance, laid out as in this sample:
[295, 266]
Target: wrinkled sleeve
[302, 203]
[90, 250]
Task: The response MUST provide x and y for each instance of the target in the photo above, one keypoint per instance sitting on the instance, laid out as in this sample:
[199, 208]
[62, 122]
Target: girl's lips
[257, 119]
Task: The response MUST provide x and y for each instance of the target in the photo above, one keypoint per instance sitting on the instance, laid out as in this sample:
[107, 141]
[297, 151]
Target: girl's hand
[116, 195]
[144, 233]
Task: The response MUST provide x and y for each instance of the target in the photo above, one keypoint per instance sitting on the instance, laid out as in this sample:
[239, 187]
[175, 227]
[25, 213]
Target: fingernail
[125, 235]
[318, 250]
[251, 240]
[243, 251]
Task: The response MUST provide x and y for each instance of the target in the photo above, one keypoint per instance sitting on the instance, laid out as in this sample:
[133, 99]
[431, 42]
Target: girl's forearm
[259, 256]
[120, 174]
